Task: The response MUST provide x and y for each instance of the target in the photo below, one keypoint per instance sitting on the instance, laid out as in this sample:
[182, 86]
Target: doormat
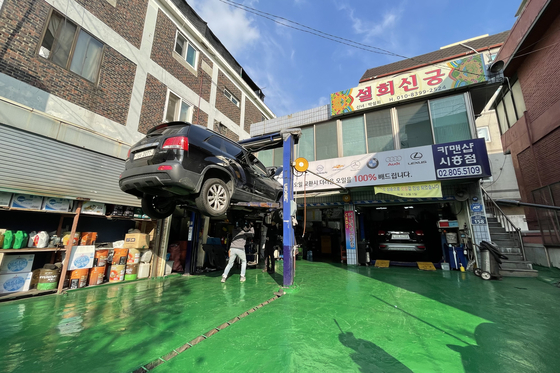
[382, 263]
[426, 266]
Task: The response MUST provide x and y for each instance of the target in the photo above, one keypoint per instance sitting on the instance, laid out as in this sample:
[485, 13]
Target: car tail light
[419, 233]
[179, 142]
[381, 233]
[382, 246]
[164, 168]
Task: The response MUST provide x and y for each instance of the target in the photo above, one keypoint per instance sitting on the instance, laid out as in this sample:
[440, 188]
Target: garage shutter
[37, 165]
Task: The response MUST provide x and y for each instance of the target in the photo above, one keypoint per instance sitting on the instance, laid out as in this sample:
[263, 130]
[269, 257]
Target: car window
[232, 149]
[217, 142]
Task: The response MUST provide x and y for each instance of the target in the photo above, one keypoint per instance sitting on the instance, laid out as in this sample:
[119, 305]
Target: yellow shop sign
[414, 190]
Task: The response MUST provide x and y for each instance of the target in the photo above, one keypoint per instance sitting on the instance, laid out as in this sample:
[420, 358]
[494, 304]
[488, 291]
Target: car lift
[287, 139]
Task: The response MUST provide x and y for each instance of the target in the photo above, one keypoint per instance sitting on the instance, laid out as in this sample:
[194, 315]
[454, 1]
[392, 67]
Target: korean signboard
[350, 229]
[416, 190]
[455, 160]
[411, 84]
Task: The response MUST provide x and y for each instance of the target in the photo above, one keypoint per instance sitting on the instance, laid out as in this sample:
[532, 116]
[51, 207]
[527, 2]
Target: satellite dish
[497, 66]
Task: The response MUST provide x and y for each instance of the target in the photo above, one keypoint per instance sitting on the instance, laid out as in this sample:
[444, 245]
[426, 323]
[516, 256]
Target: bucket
[117, 273]
[96, 275]
[120, 256]
[131, 272]
[100, 258]
[133, 256]
[78, 278]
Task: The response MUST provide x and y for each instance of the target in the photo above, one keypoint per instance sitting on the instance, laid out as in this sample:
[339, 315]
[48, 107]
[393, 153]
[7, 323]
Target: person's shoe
[223, 279]
[242, 279]
[264, 270]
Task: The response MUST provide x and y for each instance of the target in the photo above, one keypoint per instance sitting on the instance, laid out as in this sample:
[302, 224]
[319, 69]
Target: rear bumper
[402, 246]
[148, 179]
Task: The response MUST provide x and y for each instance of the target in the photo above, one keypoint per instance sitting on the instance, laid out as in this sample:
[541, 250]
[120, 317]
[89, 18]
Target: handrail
[505, 222]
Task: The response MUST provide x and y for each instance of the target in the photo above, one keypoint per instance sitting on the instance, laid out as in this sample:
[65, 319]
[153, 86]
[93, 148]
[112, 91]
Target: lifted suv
[179, 163]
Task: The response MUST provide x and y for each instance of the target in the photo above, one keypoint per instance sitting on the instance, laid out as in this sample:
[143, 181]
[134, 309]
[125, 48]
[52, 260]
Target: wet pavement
[335, 319]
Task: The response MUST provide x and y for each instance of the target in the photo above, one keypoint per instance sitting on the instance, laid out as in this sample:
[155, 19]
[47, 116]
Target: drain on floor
[160, 360]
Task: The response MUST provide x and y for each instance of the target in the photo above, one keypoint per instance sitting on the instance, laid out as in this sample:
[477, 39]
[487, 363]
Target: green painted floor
[335, 319]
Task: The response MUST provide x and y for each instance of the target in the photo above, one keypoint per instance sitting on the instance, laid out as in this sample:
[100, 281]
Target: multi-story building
[81, 81]
[528, 110]
[403, 144]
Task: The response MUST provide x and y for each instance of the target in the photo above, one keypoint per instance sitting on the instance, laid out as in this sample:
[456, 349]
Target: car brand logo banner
[455, 160]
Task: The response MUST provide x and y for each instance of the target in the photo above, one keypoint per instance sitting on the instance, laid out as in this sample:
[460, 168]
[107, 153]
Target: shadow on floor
[370, 357]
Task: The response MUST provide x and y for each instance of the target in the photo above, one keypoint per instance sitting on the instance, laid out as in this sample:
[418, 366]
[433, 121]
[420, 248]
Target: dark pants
[269, 257]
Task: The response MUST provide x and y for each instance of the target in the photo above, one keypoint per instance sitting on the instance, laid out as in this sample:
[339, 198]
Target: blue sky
[299, 71]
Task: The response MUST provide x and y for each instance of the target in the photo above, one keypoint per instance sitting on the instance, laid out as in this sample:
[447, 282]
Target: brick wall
[231, 135]
[199, 117]
[223, 104]
[21, 26]
[547, 151]
[127, 18]
[530, 182]
[153, 104]
[538, 74]
[162, 54]
[252, 115]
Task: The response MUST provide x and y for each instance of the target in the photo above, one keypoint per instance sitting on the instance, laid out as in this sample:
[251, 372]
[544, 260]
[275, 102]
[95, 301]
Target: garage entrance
[403, 233]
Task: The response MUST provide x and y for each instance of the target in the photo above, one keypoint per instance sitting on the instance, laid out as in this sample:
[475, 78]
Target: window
[278, 156]
[177, 109]
[353, 136]
[379, 131]
[231, 97]
[484, 133]
[326, 141]
[450, 120]
[265, 156]
[518, 99]
[502, 119]
[510, 109]
[306, 144]
[185, 49]
[70, 47]
[414, 125]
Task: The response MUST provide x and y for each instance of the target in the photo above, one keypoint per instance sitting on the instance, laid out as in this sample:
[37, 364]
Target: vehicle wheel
[477, 272]
[485, 275]
[213, 199]
[158, 207]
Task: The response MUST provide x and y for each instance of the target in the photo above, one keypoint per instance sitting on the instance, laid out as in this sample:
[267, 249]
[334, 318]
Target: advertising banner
[461, 159]
[391, 167]
[350, 230]
[416, 190]
[454, 160]
[410, 84]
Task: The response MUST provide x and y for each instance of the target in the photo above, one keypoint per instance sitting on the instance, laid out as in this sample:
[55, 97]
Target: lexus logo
[416, 156]
[396, 158]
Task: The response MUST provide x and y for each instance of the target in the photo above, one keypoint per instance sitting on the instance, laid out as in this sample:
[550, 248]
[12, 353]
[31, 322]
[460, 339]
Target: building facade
[403, 144]
[528, 111]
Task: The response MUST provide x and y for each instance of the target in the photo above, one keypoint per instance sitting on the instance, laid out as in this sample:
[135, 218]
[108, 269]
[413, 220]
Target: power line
[337, 39]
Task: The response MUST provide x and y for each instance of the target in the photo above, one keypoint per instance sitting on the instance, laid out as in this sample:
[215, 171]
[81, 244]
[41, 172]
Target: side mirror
[271, 171]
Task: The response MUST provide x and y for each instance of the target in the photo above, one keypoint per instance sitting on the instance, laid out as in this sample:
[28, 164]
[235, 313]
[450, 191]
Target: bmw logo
[373, 163]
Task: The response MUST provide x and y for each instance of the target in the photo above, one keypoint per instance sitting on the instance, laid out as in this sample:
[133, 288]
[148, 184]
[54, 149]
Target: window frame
[230, 96]
[77, 33]
[184, 54]
[176, 116]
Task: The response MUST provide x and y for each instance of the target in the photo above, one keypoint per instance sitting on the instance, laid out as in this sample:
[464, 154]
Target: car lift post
[287, 198]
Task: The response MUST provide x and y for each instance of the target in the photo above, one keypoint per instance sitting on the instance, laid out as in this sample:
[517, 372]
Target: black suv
[179, 163]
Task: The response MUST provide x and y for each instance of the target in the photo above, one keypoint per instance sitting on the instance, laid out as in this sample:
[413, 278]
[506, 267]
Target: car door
[265, 190]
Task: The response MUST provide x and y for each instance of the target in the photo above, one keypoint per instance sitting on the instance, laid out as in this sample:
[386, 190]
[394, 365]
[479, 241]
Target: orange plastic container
[96, 275]
[100, 258]
[88, 238]
[78, 278]
[120, 256]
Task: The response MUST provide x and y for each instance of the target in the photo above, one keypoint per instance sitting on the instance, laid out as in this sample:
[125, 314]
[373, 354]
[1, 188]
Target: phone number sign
[461, 160]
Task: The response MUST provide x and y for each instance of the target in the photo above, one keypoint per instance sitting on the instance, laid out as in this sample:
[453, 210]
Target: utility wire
[327, 36]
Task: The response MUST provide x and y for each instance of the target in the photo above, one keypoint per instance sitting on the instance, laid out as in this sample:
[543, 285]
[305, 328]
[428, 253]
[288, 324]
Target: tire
[477, 272]
[157, 207]
[485, 275]
[213, 199]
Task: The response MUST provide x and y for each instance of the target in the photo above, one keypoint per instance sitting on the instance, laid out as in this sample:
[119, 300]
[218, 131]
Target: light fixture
[497, 66]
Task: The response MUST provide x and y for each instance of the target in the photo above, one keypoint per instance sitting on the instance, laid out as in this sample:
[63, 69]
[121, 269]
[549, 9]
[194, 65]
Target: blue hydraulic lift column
[287, 198]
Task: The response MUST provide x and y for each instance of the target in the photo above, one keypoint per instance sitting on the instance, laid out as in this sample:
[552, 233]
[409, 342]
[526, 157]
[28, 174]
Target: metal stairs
[515, 265]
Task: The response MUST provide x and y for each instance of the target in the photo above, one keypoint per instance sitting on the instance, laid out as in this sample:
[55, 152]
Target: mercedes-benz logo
[373, 163]
[320, 168]
[416, 156]
[396, 158]
[355, 165]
